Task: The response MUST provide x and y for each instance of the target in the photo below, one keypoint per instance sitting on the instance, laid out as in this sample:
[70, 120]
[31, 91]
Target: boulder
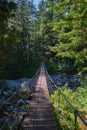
[25, 86]
[20, 102]
[63, 79]
[27, 101]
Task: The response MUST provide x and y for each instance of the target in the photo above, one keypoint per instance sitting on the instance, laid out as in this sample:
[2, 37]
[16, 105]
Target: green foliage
[71, 31]
[8, 127]
[8, 37]
[6, 8]
[16, 35]
[25, 107]
[77, 98]
[20, 70]
[66, 67]
[51, 66]
[27, 33]
[81, 96]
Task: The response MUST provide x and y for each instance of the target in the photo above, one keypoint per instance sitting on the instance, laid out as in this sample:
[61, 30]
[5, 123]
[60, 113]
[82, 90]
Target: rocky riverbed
[67, 80]
[14, 102]
[15, 97]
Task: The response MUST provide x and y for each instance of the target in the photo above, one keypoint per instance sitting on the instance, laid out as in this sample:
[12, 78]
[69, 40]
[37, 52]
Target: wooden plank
[40, 116]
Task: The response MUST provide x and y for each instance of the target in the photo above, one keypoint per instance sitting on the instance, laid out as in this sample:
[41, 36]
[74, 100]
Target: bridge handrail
[76, 113]
[7, 119]
[34, 79]
[8, 99]
[37, 72]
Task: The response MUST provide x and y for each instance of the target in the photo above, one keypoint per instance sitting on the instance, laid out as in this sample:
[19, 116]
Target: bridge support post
[75, 121]
[58, 102]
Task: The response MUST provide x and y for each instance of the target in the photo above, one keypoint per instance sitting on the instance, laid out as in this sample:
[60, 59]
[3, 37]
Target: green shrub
[64, 113]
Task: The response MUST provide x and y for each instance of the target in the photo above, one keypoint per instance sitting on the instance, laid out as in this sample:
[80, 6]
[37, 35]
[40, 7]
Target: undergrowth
[62, 111]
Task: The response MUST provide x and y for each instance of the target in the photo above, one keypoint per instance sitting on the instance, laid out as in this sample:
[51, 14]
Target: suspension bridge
[40, 115]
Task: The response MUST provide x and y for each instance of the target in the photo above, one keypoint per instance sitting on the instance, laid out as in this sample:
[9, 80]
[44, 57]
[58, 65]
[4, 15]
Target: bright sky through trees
[36, 2]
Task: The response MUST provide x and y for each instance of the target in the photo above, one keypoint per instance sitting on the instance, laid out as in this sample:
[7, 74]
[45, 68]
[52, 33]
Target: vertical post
[17, 116]
[58, 108]
[75, 120]
[58, 101]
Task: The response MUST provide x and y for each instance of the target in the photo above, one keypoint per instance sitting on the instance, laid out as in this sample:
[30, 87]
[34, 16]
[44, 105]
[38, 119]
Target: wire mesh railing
[52, 87]
[33, 80]
[10, 123]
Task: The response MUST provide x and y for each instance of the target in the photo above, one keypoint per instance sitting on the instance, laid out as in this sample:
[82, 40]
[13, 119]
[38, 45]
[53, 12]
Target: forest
[55, 32]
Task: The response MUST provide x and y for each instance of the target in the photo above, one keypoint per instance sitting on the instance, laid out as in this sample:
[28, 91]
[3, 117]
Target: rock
[14, 115]
[60, 84]
[63, 79]
[27, 101]
[6, 113]
[20, 102]
[16, 84]
[2, 120]
[22, 95]
[9, 93]
[23, 80]
[8, 103]
[24, 86]
[12, 83]
[5, 93]
[11, 107]
[22, 113]
[23, 92]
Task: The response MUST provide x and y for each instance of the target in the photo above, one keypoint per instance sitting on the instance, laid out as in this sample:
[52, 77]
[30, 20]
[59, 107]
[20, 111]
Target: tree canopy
[55, 32]
[71, 30]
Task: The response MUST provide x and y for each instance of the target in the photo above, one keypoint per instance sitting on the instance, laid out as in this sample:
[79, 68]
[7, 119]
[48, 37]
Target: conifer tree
[71, 29]
[24, 24]
[8, 37]
[45, 33]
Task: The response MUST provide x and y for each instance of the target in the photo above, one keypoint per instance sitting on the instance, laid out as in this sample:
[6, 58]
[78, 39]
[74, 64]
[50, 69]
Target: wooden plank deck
[40, 116]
